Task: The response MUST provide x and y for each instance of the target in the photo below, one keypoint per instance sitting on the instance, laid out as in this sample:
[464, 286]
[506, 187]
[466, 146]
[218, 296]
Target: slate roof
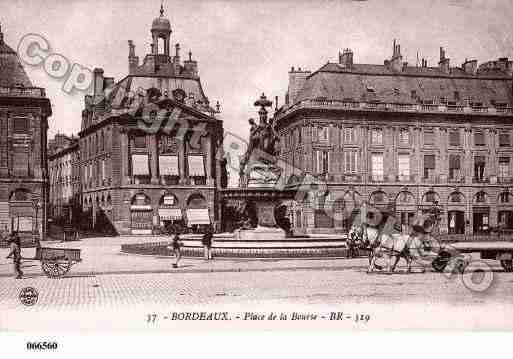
[366, 82]
[12, 73]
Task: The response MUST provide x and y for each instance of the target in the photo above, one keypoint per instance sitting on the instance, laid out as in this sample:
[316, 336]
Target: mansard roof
[380, 83]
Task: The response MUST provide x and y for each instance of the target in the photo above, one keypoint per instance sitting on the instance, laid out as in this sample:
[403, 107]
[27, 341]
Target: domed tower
[161, 29]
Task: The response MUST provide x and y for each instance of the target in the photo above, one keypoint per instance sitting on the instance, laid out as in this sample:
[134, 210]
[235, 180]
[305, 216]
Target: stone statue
[260, 154]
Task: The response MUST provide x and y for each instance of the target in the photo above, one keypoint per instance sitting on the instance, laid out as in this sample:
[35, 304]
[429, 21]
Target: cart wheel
[440, 262]
[55, 269]
[507, 264]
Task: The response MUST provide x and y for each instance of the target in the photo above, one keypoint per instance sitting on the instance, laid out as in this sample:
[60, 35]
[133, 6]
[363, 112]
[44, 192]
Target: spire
[162, 9]
[1, 34]
[190, 55]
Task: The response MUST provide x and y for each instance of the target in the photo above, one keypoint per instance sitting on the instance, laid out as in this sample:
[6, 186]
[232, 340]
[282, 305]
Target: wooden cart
[498, 250]
[56, 262]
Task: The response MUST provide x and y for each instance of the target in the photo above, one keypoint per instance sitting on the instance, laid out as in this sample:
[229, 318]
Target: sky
[244, 48]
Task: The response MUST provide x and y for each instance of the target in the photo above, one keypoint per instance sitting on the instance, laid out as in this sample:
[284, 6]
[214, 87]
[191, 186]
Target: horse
[364, 236]
[397, 246]
[393, 245]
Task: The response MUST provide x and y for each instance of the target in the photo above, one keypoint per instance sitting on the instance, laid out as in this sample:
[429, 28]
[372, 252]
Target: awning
[196, 166]
[140, 165]
[5, 220]
[141, 207]
[168, 165]
[170, 214]
[197, 216]
[23, 224]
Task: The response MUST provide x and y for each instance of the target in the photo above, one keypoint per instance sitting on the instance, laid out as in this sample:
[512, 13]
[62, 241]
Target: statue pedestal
[260, 234]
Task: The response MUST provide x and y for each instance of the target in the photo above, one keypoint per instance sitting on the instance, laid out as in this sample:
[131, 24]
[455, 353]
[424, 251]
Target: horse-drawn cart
[497, 250]
[56, 262]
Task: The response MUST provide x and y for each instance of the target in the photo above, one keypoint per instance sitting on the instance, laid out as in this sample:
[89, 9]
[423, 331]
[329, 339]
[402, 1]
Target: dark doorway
[481, 222]
[456, 222]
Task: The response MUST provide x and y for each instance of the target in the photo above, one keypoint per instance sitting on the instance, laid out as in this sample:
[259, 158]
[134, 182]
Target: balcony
[22, 91]
[376, 178]
[505, 180]
[480, 180]
[391, 107]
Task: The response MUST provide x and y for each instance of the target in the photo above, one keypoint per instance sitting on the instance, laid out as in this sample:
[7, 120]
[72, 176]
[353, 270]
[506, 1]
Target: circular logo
[28, 296]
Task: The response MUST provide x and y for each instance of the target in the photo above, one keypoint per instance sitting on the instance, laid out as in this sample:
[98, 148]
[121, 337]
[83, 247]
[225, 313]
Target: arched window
[196, 200]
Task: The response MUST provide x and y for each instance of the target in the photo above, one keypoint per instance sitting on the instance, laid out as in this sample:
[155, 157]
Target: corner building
[24, 112]
[401, 138]
[148, 143]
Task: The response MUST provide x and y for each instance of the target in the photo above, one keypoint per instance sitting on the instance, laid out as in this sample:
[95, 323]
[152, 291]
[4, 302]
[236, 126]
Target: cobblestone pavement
[107, 280]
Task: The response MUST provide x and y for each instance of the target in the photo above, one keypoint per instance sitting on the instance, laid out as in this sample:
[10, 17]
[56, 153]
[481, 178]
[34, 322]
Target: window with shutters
[454, 167]
[377, 166]
[429, 137]
[139, 141]
[3, 143]
[404, 136]
[377, 136]
[479, 168]
[348, 135]
[454, 138]
[324, 134]
[322, 158]
[20, 125]
[504, 167]
[504, 139]
[429, 166]
[350, 162]
[479, 139]
[404, 167]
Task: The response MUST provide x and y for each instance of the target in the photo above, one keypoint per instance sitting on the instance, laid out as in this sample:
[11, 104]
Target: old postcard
[224, 166]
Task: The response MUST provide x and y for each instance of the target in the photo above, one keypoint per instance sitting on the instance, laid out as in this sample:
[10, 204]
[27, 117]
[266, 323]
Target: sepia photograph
[246, 166]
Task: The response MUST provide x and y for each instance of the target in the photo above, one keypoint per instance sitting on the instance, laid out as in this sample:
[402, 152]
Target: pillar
[125, 153]
[154, 157]
[208, 150]
[182, 157]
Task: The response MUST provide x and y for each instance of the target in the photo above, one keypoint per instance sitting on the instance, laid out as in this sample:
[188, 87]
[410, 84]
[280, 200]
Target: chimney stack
[396, 62]
[345, 59]
[133, 61]
[98, 85]
[470, 67]
[444, 64]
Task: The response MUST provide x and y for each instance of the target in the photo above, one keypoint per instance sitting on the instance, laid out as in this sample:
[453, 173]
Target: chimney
[396, 62]
[505, 65]
[470, 67]
[296, 82]
[191, 66]
[345, 59]
[98, 85]
[443, 65]
[176, 59]
[405, 65]
[133, 61]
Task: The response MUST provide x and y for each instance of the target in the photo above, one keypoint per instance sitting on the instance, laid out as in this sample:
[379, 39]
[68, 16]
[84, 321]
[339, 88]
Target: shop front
[141, 215]
[481, 219]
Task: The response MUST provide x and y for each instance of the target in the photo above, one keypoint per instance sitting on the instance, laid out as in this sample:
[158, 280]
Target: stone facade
[401, 138]
[24, 110]
[149, 144]
[64, 175]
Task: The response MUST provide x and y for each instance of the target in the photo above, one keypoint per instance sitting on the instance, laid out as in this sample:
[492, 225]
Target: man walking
[176, 245]
[15, 253]
[207, 244]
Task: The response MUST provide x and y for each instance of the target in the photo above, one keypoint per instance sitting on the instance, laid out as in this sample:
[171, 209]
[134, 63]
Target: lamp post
[36, 205]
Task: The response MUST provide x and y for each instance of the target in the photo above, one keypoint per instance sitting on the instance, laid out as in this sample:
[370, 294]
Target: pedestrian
[176, 245]
[207, 244]
[15, 253]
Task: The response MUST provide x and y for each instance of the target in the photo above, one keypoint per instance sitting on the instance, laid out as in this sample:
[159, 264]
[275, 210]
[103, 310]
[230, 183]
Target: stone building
[64, 176]
[148, 143]
[403, 138]
[24, 112]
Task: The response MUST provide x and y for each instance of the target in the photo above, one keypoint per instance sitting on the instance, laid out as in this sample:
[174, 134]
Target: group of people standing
[176, 244]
